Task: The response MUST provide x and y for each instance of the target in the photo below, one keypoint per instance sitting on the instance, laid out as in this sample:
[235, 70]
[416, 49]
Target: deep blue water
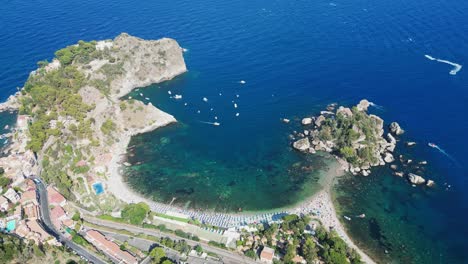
[296, 57]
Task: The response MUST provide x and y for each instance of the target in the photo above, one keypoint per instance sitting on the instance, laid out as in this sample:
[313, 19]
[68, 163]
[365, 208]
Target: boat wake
[376, 106]
[211, 123]
[446, 154]
[456, 67]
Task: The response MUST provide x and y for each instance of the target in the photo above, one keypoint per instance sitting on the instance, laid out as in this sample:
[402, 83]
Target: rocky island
[356, 138]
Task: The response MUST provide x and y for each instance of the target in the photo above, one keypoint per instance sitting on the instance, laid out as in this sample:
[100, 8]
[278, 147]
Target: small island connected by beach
[357, 140]
[75, 121]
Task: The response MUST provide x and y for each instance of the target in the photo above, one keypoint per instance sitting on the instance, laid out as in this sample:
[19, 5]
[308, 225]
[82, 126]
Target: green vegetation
[251, 254]
[350, 131]
[217, 244]
[78, 239]
[108, 126]
[50, 95]
[4, 181]
[84, 52]
[180, 219]
[15, 250]
[157, 255]
[291, 239]
[135, 213]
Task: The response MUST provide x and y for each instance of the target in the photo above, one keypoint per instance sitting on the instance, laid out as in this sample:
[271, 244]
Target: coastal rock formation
[388, 158]
[307, 121]
[80, 114]
[353, 135]
[396, 129]
[363, 105]
[430, 183]
[415, 179]
[302, 144]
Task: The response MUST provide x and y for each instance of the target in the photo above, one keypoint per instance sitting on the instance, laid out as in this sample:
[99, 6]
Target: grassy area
[180, 219]
[111, 218]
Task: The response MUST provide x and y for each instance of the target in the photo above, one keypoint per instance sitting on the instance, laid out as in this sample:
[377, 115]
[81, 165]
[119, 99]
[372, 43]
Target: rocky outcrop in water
[415, 179]
[396, 129]
[351, 134]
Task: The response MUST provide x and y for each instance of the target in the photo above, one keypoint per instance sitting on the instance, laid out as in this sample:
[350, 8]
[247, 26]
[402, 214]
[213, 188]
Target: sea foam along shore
[320, 203]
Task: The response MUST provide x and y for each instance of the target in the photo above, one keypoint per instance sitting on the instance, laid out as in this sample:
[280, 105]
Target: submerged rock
[302, 144]
[416, 179]
[396, 129]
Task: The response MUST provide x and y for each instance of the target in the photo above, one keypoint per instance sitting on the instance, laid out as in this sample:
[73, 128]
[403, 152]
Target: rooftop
[109, 247]
[267, 253]
[54, 196]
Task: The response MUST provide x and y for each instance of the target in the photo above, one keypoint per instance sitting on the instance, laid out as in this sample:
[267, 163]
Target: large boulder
[388, 158]
[396, 129]
[363, 105]
[307, 121]
[302, 144]
[416, 179]
[345, 111]
[430, 183]
[319, 120]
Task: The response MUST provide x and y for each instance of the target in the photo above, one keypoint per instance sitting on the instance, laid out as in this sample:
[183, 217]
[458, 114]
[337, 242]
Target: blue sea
[295, 57]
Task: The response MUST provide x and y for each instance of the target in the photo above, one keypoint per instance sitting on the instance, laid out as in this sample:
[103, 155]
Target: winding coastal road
[49, 227]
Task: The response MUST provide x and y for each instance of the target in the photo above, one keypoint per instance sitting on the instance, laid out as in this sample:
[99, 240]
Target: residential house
[57, 215]
[109, 247]
[31, 211]
[12, 195]
[267, 254]
[4, 204]
[55, 198]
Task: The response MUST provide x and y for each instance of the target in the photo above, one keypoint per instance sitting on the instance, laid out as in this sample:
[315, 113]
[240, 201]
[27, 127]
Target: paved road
[146, 245]
[49, 227]
[226, 256]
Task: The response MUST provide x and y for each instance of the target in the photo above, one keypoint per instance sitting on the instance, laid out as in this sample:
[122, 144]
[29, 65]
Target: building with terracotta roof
[109, 247]
[31, 211]
[28, 197]
[54, 197]
[57, 215]
[267, 254]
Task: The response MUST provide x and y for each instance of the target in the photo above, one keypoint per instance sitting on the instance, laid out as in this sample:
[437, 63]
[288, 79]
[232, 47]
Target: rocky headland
[79, 124]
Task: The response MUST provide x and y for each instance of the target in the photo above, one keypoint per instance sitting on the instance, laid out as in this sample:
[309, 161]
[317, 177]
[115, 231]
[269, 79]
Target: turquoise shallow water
[174, 162]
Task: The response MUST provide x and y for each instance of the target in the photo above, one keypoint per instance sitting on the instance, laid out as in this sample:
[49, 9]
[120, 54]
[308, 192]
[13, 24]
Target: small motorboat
[347, 218]
[432, 145]
[362, 216]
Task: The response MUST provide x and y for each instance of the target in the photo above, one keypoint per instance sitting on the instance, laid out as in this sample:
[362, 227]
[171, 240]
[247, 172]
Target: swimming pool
[11, 225]
[98, 188]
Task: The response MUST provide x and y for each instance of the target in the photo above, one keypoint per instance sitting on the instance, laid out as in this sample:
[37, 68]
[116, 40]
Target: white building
[12, 196]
